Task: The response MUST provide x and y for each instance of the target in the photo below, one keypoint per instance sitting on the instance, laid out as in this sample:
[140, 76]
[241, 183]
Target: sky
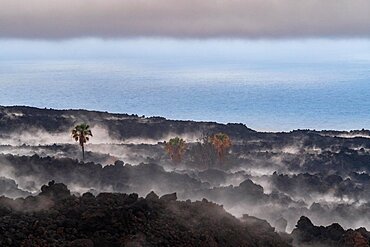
[194, 35]
[199, 19]
[195, 31]
[259, 29]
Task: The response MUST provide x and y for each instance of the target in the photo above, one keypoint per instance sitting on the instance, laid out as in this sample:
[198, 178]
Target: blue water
[265, 96]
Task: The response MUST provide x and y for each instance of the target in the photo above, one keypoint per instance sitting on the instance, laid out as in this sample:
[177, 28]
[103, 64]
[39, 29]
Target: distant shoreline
[329, 132]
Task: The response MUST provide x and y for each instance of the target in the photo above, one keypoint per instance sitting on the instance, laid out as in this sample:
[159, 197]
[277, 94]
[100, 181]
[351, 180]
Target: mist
[277, 177]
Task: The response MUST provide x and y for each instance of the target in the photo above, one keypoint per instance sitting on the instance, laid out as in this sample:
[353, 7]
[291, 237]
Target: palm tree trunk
[83, 152]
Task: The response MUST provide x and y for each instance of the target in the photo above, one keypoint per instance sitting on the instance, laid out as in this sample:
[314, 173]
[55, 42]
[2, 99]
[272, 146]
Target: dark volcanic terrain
[55, 218]
[277, 177]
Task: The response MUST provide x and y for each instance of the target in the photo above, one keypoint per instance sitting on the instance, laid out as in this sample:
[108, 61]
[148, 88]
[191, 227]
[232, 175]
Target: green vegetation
[221, 143]
[176, 148]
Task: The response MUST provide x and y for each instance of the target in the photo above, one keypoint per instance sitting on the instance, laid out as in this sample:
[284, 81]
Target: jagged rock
[56, 191]
[304, 224]
[250, 187]
[87, 197]
[152, 196]
[307, 234]
[119, 163]
[354, 239]
[335, 231]
[169, 197]
[113, 219]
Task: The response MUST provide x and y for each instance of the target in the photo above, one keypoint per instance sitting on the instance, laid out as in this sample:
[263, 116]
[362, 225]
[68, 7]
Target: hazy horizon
[273, 65]
[269, 85]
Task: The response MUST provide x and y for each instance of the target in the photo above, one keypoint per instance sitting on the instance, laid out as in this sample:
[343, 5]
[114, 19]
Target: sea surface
[265, 96]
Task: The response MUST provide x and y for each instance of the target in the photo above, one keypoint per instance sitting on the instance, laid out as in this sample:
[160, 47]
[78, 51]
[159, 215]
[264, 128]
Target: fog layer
[45, 19]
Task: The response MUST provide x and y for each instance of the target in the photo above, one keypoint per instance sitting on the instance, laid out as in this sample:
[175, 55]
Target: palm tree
[176, 147]
[203, 153]
[81, 133]
[221, 142]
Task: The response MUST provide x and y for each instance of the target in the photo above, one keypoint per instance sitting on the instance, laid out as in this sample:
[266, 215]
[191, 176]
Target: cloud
[63, 19]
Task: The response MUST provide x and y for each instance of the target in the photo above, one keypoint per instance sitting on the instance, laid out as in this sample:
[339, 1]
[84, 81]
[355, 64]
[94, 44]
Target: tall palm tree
[221, 143]
[176, 147]
[81, 133]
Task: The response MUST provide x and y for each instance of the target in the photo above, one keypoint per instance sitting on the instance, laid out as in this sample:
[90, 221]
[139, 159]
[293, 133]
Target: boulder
[55, 191]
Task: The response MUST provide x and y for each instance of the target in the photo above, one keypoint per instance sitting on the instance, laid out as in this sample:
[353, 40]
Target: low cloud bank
[54, 19]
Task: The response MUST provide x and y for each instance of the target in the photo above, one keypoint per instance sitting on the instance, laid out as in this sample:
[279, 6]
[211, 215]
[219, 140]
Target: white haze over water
[268, 85]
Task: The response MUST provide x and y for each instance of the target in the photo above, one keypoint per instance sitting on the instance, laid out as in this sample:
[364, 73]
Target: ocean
[276, 96]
